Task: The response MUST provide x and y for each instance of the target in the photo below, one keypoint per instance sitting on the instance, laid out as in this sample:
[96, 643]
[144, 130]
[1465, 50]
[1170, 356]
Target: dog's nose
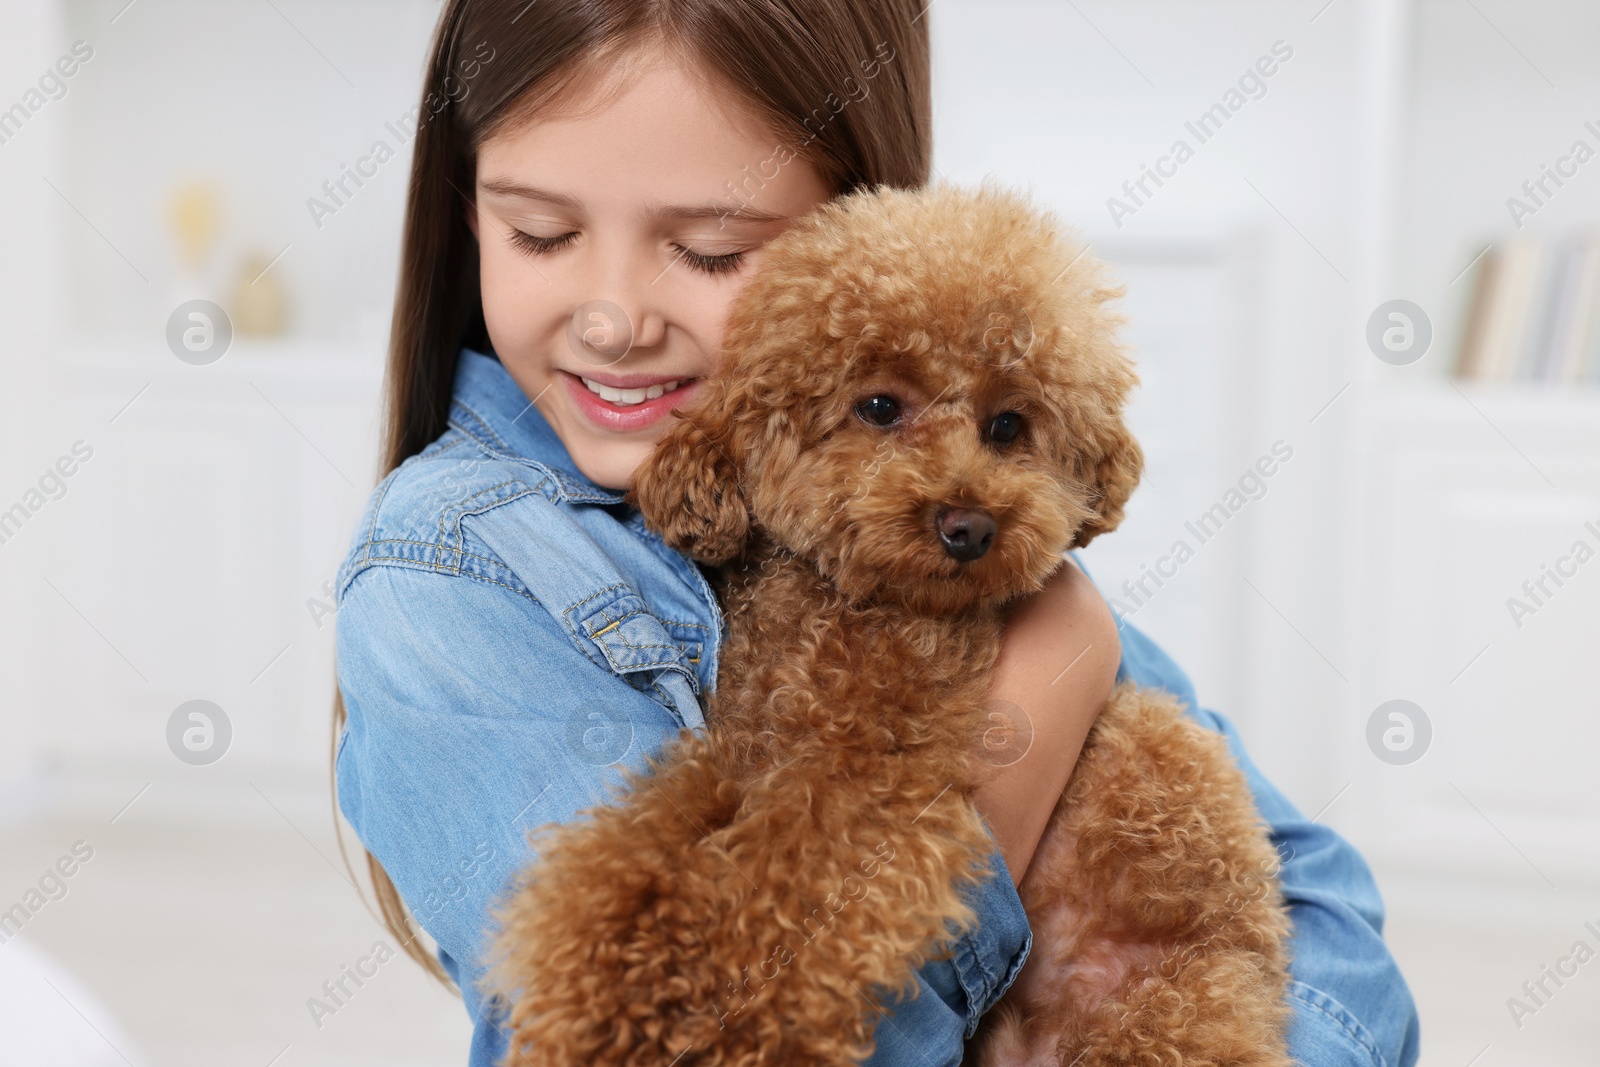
[966, 532]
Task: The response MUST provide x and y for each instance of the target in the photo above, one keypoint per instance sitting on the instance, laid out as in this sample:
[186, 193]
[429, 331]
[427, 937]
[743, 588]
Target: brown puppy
[918, 411]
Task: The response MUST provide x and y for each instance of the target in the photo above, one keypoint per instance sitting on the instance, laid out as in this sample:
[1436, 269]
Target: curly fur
[744, 901]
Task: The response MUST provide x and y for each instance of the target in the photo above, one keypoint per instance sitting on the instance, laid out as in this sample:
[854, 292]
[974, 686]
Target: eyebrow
[688, 213]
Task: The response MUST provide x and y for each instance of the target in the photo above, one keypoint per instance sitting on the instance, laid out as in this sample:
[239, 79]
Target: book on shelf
[1533, 313]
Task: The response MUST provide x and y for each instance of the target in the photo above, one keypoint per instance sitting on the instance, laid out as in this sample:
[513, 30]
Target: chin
[613, 472]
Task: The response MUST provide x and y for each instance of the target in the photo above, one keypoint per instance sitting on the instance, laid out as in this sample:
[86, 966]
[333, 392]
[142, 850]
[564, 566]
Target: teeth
[627, 397]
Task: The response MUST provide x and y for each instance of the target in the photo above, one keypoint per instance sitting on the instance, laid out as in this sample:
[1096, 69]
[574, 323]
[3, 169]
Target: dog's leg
[1159, 929]
[598, 950]
[712, 921]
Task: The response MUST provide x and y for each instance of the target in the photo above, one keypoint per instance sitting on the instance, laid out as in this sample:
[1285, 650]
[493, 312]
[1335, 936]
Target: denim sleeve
[930, 1029]
[462, 697]
[1352, 1007]
[470, 721]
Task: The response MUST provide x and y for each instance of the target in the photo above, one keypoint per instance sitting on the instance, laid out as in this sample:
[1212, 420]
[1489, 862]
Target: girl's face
[611, 243]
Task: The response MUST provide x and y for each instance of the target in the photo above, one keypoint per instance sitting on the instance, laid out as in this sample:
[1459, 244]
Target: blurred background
[1362, 297]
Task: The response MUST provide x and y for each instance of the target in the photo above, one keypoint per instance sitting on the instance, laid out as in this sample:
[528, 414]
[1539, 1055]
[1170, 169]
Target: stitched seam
[377, 509]
[974, 979]
[625, 643]
[601, 592]
[665, 700]
[442, 548]
[389, 561]
[1317, 1000]
[618, 621]
[671, 705]
[437, 568]
[479, 419]
[622, 640]
[584, 495]
[465, 510]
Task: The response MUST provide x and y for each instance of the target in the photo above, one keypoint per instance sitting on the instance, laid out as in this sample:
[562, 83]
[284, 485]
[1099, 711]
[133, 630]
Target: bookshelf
[1489, 205]
[1533, 312]
[1474, 468]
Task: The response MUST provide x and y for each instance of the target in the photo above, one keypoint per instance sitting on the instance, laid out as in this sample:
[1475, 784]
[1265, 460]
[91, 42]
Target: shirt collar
[489, 406]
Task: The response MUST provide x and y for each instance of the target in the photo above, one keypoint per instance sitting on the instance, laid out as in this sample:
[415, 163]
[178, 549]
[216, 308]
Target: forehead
[648, 130]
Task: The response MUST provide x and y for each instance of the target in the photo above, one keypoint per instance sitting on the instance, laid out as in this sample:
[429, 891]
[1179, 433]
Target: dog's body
[743, 901]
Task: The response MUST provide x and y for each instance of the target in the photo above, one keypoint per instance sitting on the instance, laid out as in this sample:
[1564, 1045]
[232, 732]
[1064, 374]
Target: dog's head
[920, 391]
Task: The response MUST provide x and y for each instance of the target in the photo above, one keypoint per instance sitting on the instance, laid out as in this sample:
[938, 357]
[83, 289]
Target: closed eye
[712, 264]
[540, 246]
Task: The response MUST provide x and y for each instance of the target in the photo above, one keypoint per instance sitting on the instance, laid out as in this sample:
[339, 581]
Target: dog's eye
[879, 410]
[1004, 427]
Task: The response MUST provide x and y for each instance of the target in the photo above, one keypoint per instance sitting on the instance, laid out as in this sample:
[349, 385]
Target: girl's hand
[1058, 661]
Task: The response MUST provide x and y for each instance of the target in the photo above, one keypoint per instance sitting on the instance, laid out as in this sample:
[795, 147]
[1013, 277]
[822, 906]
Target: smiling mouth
[629, 397]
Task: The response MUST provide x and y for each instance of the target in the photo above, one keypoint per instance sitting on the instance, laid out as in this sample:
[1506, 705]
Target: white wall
[1375, 566]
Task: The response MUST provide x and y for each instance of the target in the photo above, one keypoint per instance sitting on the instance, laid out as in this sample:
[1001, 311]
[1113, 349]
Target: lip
[636, 381]
[605, 415]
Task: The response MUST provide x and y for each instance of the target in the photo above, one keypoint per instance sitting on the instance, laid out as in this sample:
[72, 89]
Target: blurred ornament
[258, 302]
[194, 217]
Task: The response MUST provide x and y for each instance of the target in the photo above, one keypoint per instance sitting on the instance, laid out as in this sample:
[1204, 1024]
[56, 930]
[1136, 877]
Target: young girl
[593, 181]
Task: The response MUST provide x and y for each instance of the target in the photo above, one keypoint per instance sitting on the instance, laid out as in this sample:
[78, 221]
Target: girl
[593, 180]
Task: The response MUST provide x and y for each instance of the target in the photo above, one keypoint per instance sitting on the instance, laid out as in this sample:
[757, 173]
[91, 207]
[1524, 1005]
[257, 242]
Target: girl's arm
[1351, 1003]
[473, 717]
[1057, 665]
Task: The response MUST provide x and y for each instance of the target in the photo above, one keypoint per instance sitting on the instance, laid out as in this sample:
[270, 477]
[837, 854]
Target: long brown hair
[844, 84]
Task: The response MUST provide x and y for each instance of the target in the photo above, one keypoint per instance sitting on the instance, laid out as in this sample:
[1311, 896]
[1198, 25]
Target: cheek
[521, 310]
[704, 313]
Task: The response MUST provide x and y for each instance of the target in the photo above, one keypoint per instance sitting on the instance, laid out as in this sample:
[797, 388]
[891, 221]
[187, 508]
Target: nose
[966, 532]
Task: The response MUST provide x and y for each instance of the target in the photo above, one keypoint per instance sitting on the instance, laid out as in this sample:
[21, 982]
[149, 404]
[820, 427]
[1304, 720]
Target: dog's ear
[1110, 463]
[688, 488]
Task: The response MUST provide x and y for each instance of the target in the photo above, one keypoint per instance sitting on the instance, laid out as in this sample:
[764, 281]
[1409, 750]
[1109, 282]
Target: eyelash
[539, 246]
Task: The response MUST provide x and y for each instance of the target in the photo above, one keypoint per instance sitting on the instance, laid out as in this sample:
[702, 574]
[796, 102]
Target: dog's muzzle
[965, 532]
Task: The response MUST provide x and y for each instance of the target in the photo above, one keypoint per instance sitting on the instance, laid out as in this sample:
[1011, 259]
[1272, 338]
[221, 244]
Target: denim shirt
[511, 636]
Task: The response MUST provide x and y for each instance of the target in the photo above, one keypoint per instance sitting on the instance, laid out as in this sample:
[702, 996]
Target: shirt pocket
[636, 645]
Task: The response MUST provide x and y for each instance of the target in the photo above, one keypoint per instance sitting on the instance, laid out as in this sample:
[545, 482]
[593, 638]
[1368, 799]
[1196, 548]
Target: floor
[205, 945]
[208, 945]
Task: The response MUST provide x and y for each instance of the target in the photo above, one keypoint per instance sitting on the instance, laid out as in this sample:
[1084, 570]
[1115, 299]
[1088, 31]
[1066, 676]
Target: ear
[688, 488]
[1111, 462]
